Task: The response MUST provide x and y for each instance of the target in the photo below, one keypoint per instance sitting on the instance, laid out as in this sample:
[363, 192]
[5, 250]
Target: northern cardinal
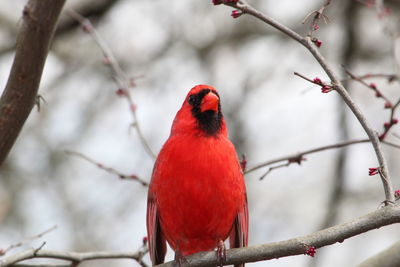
[197, 195]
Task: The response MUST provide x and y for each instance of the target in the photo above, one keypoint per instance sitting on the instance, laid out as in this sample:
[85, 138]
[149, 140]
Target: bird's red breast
[197, 194]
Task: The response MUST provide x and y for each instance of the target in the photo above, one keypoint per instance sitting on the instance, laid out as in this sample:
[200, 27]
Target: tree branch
[388, 104]
[94, 9]
[33, 41]
[299, 157]
[75, 257]
[108, 169]
[318, 14]
[42, 265]
[370, 86]
[27, 240]
[297, 246]
[389, 257]
[307, 42]
[120, 77]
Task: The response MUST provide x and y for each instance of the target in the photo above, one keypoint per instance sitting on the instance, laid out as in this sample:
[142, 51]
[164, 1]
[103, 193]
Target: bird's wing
[240, 230]
[156, 239]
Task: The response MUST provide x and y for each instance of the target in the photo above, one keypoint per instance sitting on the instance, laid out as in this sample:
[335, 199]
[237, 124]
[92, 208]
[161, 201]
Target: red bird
[197, 195]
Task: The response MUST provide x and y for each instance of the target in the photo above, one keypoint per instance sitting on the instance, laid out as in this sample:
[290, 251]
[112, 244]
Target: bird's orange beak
[209, 102]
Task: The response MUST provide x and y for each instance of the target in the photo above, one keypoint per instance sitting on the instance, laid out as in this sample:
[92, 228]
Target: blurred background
[170, 46]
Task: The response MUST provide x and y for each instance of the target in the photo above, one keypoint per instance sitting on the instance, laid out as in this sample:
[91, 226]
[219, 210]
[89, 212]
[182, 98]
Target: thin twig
[41, 265]
[299, 157]
[120, 77]
[318, 14]
[108, 169]
[392, 120]
[388, 103]
[270, 169]
[27, 240]
[390, 144]
[390, 77]
[39, 248]
[325, 88]
[304, 77]
[369, 86]
[307, 42]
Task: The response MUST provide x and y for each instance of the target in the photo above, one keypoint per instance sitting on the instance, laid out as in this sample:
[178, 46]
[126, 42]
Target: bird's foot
[180, 259]
[221, 253]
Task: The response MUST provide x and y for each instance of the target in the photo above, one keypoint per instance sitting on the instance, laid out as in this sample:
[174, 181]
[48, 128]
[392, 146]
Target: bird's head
[200, 113]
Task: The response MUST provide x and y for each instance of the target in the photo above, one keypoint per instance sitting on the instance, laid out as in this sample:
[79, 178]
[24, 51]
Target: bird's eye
[192, 100]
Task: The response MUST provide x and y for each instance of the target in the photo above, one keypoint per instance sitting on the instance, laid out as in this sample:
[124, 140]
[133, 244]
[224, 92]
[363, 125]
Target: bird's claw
[179, 259]
[221, 253]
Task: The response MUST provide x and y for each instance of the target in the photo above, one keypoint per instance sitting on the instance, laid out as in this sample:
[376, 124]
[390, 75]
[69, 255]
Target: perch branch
[295, 246]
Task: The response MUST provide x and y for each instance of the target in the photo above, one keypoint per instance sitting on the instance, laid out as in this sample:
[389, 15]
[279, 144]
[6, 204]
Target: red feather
[197, 194]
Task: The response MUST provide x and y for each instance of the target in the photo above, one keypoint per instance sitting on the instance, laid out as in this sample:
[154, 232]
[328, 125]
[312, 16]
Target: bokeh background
[170, 46]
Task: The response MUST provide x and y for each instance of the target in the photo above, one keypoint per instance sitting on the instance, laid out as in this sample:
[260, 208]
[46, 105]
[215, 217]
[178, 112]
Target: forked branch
[310, 45]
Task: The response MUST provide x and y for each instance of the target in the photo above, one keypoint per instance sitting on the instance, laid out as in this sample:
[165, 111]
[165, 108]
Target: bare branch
[120, 77]
[297, 246]
[41, 265]
[369, 86]
[75, 257]
[95, 9]
[305, 78]
[308, 43]
[246, 8]
[296, 158]
[389, 77]
[27, 240]
[108, 169]
[33, 41]
[388, 104]
[392, 120]
[270, 169]
[372, 134]
[325, 88]
[299, 157]
[39, 248]
[317, 15]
